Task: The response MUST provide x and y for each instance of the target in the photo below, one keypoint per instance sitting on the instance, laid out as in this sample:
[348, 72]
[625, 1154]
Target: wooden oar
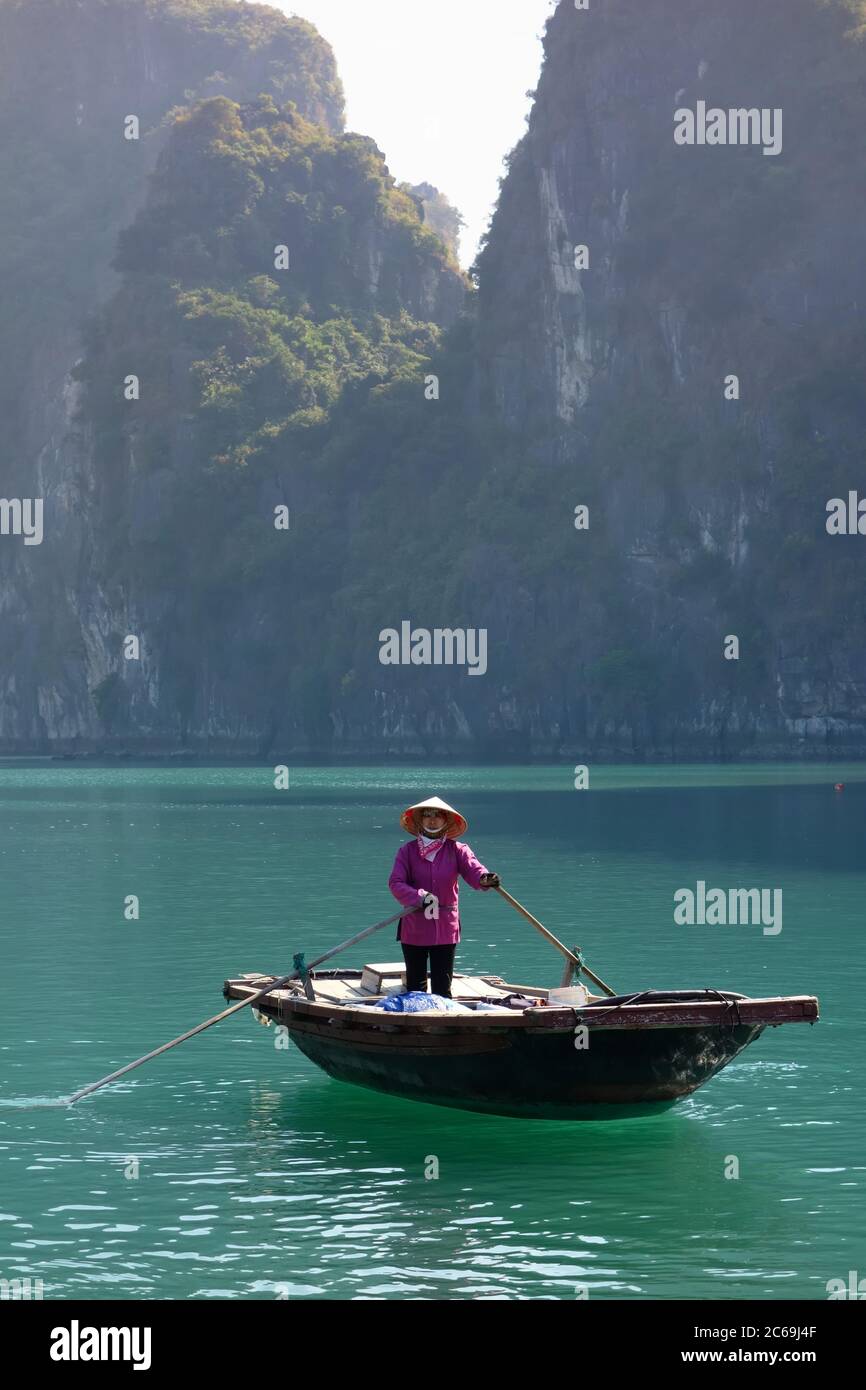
[554, 941]
[241, 1004]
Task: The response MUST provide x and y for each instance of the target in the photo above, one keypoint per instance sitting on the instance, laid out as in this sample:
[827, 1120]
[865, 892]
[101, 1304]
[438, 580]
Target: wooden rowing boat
[612, 1057]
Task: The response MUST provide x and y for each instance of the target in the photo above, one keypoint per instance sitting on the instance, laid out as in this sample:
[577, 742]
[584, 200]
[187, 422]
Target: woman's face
[433, 821]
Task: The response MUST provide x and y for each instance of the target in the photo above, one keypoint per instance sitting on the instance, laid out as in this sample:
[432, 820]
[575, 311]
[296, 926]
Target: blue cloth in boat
[419, 1002]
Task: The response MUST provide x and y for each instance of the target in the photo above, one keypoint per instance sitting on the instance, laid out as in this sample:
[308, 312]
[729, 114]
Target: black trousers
[441, 967]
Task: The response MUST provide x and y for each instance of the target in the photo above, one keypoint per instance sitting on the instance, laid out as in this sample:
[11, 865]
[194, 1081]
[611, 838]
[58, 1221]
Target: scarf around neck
[427, 848]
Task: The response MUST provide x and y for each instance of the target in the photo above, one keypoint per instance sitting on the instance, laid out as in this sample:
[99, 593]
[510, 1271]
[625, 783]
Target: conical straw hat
[457, 824]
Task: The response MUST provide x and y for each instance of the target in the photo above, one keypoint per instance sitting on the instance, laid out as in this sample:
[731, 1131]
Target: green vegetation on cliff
[70, 75]
[255, 377]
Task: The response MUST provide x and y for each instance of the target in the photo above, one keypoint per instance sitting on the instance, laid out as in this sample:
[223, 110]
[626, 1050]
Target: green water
[259, 1177]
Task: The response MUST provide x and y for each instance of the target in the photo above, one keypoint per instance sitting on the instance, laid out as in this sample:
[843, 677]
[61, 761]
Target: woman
[425, 871]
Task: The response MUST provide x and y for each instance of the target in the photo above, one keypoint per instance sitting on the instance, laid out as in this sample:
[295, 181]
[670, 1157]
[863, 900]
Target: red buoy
[839, 787]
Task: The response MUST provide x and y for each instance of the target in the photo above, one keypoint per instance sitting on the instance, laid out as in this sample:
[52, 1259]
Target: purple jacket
[412, 878]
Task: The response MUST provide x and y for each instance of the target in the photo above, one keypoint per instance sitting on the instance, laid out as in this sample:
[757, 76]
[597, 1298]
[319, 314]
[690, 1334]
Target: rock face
[626, 280]
[438, 213]
[71, 74]
[703, 262]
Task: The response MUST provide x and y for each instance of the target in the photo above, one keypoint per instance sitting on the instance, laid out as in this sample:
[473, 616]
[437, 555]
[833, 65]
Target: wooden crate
[375, 979]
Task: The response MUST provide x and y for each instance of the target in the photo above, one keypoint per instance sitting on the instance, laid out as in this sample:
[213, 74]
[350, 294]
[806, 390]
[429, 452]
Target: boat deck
[355, 989]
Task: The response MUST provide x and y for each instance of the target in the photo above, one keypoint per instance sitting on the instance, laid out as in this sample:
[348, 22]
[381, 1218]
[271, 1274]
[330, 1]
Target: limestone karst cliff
[626, 278]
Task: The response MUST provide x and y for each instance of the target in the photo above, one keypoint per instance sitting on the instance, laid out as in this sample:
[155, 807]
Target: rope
[732, 1006]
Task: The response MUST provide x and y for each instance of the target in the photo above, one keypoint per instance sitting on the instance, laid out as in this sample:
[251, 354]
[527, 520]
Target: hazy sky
[440, 87]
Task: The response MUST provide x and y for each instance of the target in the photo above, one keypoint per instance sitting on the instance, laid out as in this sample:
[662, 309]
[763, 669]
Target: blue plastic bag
[419, 1002]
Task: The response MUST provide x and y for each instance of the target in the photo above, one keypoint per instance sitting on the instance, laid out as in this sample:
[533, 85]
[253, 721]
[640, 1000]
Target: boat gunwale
[767, 1011]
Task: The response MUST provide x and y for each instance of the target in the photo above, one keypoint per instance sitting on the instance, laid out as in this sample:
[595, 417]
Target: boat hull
[534, 1076]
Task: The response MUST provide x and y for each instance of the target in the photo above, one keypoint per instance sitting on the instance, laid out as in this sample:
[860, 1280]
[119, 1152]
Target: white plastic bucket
[574, 996]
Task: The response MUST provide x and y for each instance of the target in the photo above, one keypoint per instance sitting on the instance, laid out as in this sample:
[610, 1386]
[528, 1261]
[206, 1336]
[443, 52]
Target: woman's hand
[489, 881]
